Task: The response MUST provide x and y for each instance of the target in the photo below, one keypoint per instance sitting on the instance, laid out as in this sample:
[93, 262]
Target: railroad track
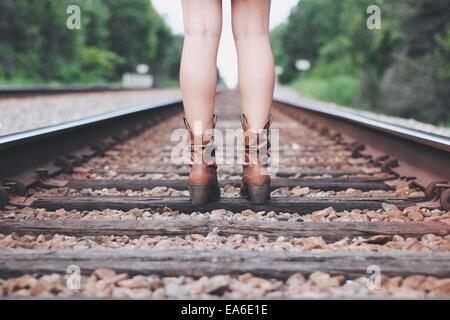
[39, 90]
[351, 196]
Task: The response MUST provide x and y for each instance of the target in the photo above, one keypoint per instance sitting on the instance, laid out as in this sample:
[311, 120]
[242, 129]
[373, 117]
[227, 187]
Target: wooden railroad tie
[199, 263]
[183, 204]
[181, 184]
[185, 226]
[282, 173]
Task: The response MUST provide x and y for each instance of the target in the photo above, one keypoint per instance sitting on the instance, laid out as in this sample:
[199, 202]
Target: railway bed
[106, 197]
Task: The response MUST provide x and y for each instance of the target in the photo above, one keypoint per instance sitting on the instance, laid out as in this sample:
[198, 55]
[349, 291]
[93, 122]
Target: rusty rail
[28, 157]
[421, 158]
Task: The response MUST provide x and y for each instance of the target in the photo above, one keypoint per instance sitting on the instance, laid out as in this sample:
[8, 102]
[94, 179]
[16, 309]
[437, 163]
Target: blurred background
[115, 36]
[401, 69]
[323, 49]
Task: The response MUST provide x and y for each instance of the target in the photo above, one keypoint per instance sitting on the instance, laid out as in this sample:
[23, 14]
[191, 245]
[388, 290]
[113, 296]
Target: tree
[400, 69]
[115, 36]
[416, 84]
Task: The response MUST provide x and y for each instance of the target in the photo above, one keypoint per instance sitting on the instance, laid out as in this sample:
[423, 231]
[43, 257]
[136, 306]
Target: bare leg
[255, 58]
[198, 72]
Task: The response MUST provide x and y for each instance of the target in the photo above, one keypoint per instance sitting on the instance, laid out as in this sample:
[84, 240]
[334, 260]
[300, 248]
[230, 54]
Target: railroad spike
[445, 199]
[10, 187]
[65, 164]
[4, 197]
[98, 148]
[52, 183]
[16, 187]
[75, 159]
[386, 166]
[439, 191]
[356, 150]
[382, 158]
[42, 173]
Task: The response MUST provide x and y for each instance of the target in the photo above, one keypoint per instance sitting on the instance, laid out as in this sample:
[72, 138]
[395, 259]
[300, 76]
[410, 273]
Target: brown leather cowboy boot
[256, 179]
[203, 183]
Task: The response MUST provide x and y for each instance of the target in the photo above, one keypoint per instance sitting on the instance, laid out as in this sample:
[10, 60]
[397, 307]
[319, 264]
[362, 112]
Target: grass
[444, 124]
[341, 89]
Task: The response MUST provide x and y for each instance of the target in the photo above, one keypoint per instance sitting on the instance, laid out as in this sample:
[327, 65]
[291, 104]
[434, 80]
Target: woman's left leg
[198, 71]
[198, 77]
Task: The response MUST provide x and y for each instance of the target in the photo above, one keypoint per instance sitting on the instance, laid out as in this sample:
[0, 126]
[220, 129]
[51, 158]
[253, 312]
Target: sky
[170, 10]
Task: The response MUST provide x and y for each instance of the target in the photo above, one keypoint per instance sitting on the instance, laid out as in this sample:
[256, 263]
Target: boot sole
[256, 193]
[201, 194]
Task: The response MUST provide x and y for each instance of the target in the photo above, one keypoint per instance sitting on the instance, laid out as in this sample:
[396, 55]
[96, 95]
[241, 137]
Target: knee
[249, 32]
[205, 32]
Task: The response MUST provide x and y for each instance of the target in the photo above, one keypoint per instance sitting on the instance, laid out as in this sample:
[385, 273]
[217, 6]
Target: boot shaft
[202, 148]
[255, 178]
[256, 143]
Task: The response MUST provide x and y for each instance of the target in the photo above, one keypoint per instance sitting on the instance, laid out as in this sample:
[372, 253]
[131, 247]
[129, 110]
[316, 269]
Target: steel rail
[431, 139]
[28, 157]
[30, 135]
[423, 157]
[6, 91]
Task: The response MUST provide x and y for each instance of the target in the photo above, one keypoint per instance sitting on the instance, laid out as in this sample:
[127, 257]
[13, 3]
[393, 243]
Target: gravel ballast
[106, 283]
[27, 113]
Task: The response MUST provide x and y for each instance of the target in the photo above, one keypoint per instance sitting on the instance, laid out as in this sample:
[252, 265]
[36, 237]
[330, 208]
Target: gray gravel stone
[27, 113]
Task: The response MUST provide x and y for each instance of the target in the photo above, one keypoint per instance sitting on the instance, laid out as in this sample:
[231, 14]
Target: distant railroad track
[346, 182]
[39, 90]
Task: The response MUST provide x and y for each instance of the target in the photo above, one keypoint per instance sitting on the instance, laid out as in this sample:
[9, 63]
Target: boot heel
[199, 194]
[214, 194]
[243, 190]
[259, 194]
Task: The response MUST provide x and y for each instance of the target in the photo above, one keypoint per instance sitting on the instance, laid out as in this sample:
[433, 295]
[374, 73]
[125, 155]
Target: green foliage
[442, 54]
[277, 45]
[99, 64]
[402, 68]
[341, 89]
[415, 84]
[409, 89]
[115, 36]
[170, 66]
[445, 124]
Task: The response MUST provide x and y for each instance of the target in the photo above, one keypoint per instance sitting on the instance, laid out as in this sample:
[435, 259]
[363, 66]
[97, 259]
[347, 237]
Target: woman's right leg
[250, 20]
[198, 72]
